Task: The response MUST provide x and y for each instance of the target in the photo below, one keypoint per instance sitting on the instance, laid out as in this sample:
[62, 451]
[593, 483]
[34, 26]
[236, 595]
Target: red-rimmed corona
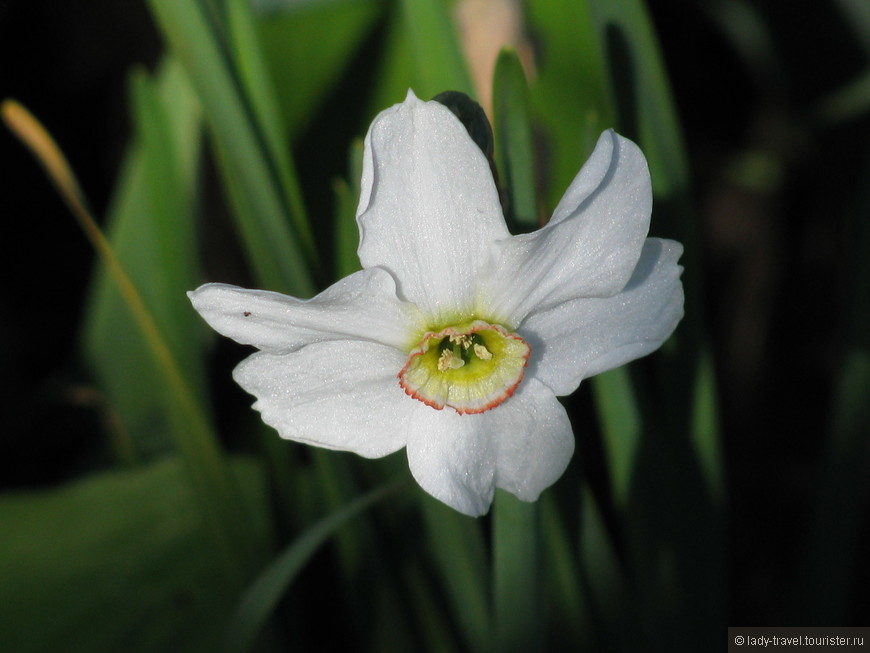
[470, 367]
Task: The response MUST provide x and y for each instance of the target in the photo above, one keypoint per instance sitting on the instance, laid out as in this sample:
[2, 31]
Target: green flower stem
[519, 613]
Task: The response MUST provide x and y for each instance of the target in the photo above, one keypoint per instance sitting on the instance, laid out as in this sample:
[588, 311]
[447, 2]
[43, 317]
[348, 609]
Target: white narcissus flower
[456, 337]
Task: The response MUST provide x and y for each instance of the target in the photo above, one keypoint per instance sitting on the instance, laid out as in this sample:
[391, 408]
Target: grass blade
[513, 141]
[255, 168]
[570, 97]
[346, 229]
[263, 595]
[457, 546]
[621, 427]
[438, 61]
[604, 585]
[308, 48]
[567, 618]
[519, 611]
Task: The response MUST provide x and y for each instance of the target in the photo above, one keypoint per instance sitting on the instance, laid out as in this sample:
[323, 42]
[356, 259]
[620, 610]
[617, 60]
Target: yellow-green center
[470, 367]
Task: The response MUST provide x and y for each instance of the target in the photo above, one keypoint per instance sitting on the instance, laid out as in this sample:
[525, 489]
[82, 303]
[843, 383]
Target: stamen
[482, 352]
[448, 361]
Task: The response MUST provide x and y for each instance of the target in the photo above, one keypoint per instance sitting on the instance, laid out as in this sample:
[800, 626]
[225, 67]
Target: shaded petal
[590, 246]
[586, 336]
[523, 446]
[361, 306]
[453, 457]
[534, 440]
[338, 394]
[428, 209]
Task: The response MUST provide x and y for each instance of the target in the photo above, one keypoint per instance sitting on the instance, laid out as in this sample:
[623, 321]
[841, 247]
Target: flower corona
[470, 367]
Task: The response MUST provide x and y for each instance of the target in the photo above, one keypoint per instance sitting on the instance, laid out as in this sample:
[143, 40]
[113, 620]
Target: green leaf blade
[438, 61]
[513, 141]
[263, 595]
[151, 229]
[518, 590]
[116, 562]
[258, 176]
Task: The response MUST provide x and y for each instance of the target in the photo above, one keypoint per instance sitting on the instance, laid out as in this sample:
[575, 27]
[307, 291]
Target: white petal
[428, 209]
[590, 246]
[453, 457]
[534, 440]
[338, 394]
[523, 446]
[362, 306]
[583, 337]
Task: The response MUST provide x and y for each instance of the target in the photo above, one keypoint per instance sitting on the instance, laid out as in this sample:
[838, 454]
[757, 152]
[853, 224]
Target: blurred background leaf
[116, 562]
[335, 31]
[151, 226]
[221, 55]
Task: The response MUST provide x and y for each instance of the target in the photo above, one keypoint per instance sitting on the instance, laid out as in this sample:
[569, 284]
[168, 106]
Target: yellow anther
[482, 352]
[447, 361]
